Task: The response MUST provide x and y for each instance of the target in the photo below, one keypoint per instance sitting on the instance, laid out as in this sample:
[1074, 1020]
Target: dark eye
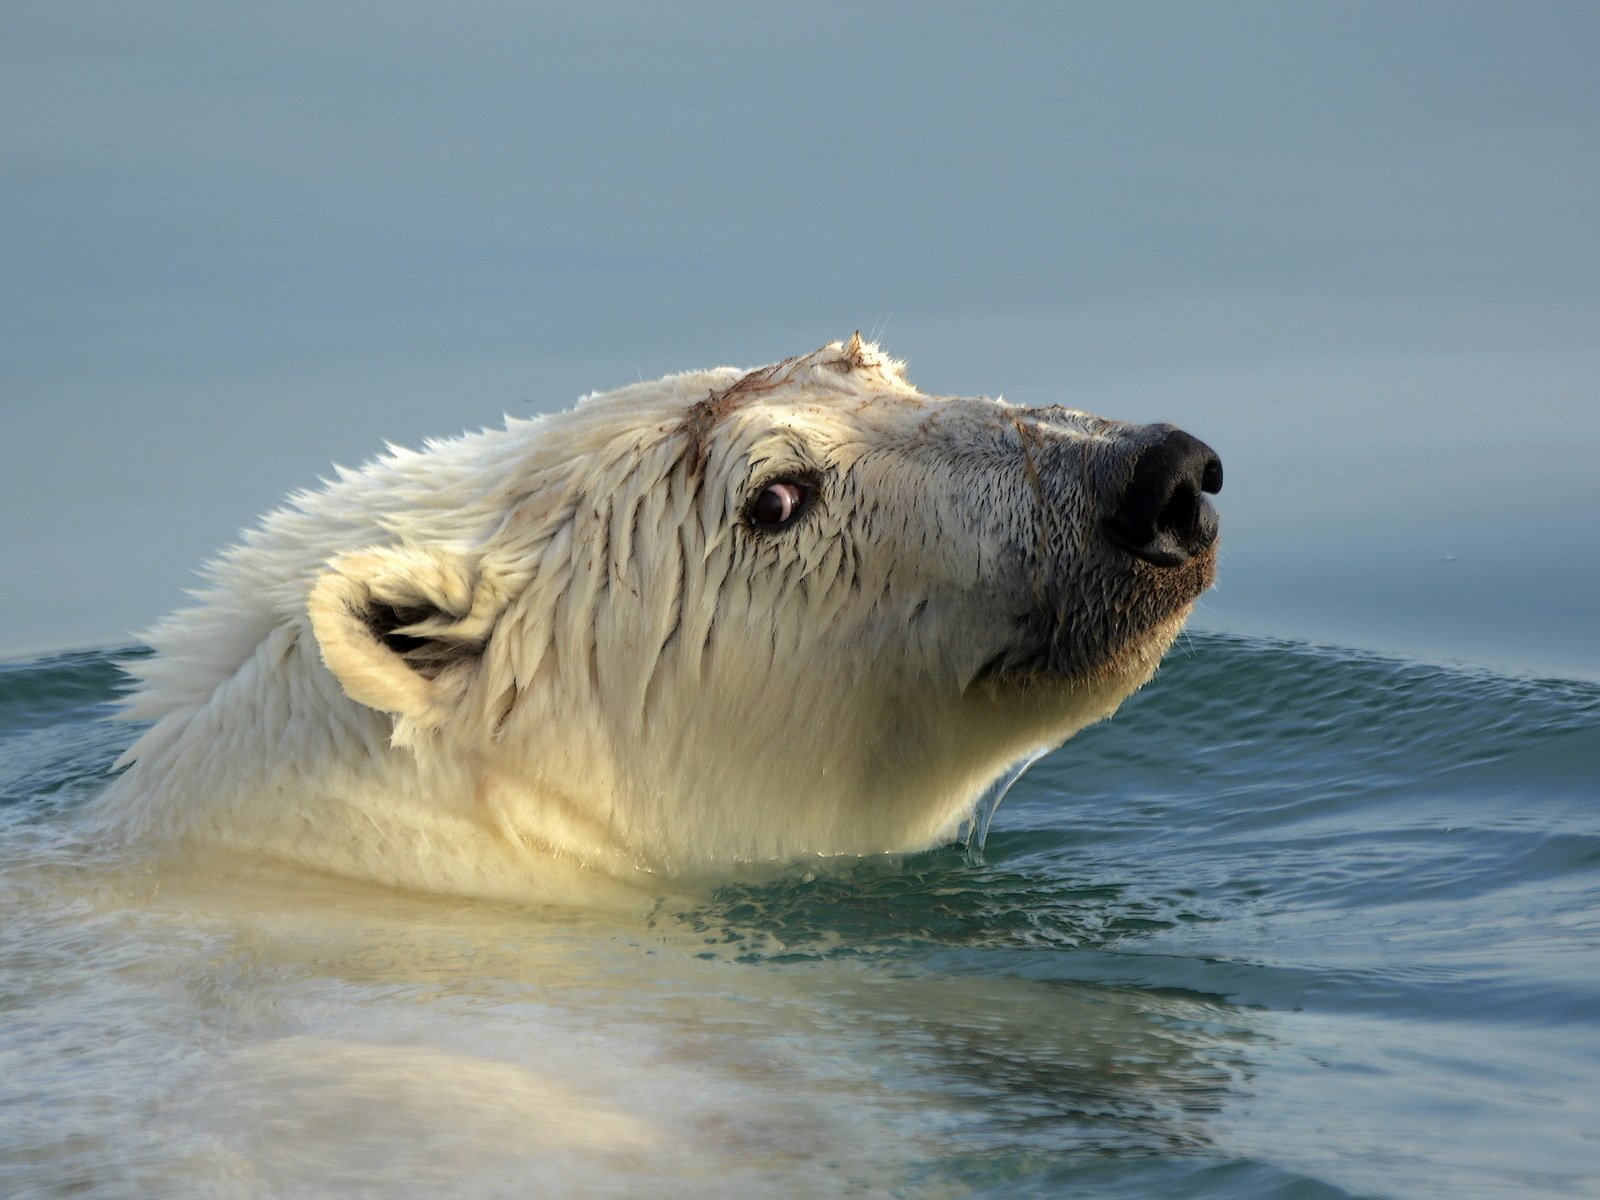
[778, 503]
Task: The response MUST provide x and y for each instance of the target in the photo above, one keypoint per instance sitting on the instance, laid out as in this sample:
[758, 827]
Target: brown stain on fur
[853, 357]
[705, 415]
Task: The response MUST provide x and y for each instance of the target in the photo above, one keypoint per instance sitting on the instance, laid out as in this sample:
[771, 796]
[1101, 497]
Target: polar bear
[725, 617]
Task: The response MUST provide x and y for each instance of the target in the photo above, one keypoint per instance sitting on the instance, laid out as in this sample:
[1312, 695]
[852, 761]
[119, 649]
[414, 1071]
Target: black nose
[1162, 515]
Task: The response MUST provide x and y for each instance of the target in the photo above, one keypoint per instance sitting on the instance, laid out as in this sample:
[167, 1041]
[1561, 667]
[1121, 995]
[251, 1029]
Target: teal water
[1298, 922]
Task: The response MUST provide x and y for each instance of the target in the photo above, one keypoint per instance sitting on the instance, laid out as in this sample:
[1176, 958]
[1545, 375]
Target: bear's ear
[401, 628]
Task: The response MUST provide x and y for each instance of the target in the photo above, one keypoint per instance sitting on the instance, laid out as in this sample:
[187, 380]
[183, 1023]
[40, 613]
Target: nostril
[1181, 512]
[1211, 476]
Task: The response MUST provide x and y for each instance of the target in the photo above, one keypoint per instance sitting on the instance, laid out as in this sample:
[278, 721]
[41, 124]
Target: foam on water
[1299, 922]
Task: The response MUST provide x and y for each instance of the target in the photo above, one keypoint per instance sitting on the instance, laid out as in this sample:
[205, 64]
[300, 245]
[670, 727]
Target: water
[1299, 922]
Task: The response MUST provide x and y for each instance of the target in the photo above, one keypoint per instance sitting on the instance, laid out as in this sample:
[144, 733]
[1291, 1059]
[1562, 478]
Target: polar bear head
[723, 617]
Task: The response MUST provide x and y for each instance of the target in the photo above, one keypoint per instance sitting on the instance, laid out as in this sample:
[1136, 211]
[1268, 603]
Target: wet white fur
[645, 685]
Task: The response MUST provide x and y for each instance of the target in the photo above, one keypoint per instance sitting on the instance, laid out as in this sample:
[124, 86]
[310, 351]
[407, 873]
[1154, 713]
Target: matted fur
[564, 640]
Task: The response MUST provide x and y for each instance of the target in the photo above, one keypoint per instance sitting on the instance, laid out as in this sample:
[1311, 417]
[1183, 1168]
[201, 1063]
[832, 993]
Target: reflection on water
[263, 1033]
[199, 1037]
[956, 980]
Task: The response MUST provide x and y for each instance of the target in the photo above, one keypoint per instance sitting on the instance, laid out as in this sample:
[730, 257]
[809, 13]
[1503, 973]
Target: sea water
[1299, 922]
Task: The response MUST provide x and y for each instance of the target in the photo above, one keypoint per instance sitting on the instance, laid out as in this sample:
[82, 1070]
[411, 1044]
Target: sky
[1353, 246]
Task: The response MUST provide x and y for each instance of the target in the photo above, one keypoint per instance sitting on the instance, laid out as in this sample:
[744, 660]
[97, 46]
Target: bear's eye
[778, 504]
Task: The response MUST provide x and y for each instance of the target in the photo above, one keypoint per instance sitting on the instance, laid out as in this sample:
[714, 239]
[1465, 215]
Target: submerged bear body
[723, 617]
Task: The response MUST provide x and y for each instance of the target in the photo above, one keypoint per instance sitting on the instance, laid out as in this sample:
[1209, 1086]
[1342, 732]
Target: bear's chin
[1020, 714]
[1050, 653]
[1123, 670]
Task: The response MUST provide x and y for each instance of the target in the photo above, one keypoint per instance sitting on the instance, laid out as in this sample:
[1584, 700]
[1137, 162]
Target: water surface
[1300, 922]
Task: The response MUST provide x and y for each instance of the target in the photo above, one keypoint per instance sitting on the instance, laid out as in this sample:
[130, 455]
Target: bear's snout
[1161, 513]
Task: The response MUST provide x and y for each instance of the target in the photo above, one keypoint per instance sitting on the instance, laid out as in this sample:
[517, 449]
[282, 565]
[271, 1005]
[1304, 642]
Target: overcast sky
[1353, 245]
